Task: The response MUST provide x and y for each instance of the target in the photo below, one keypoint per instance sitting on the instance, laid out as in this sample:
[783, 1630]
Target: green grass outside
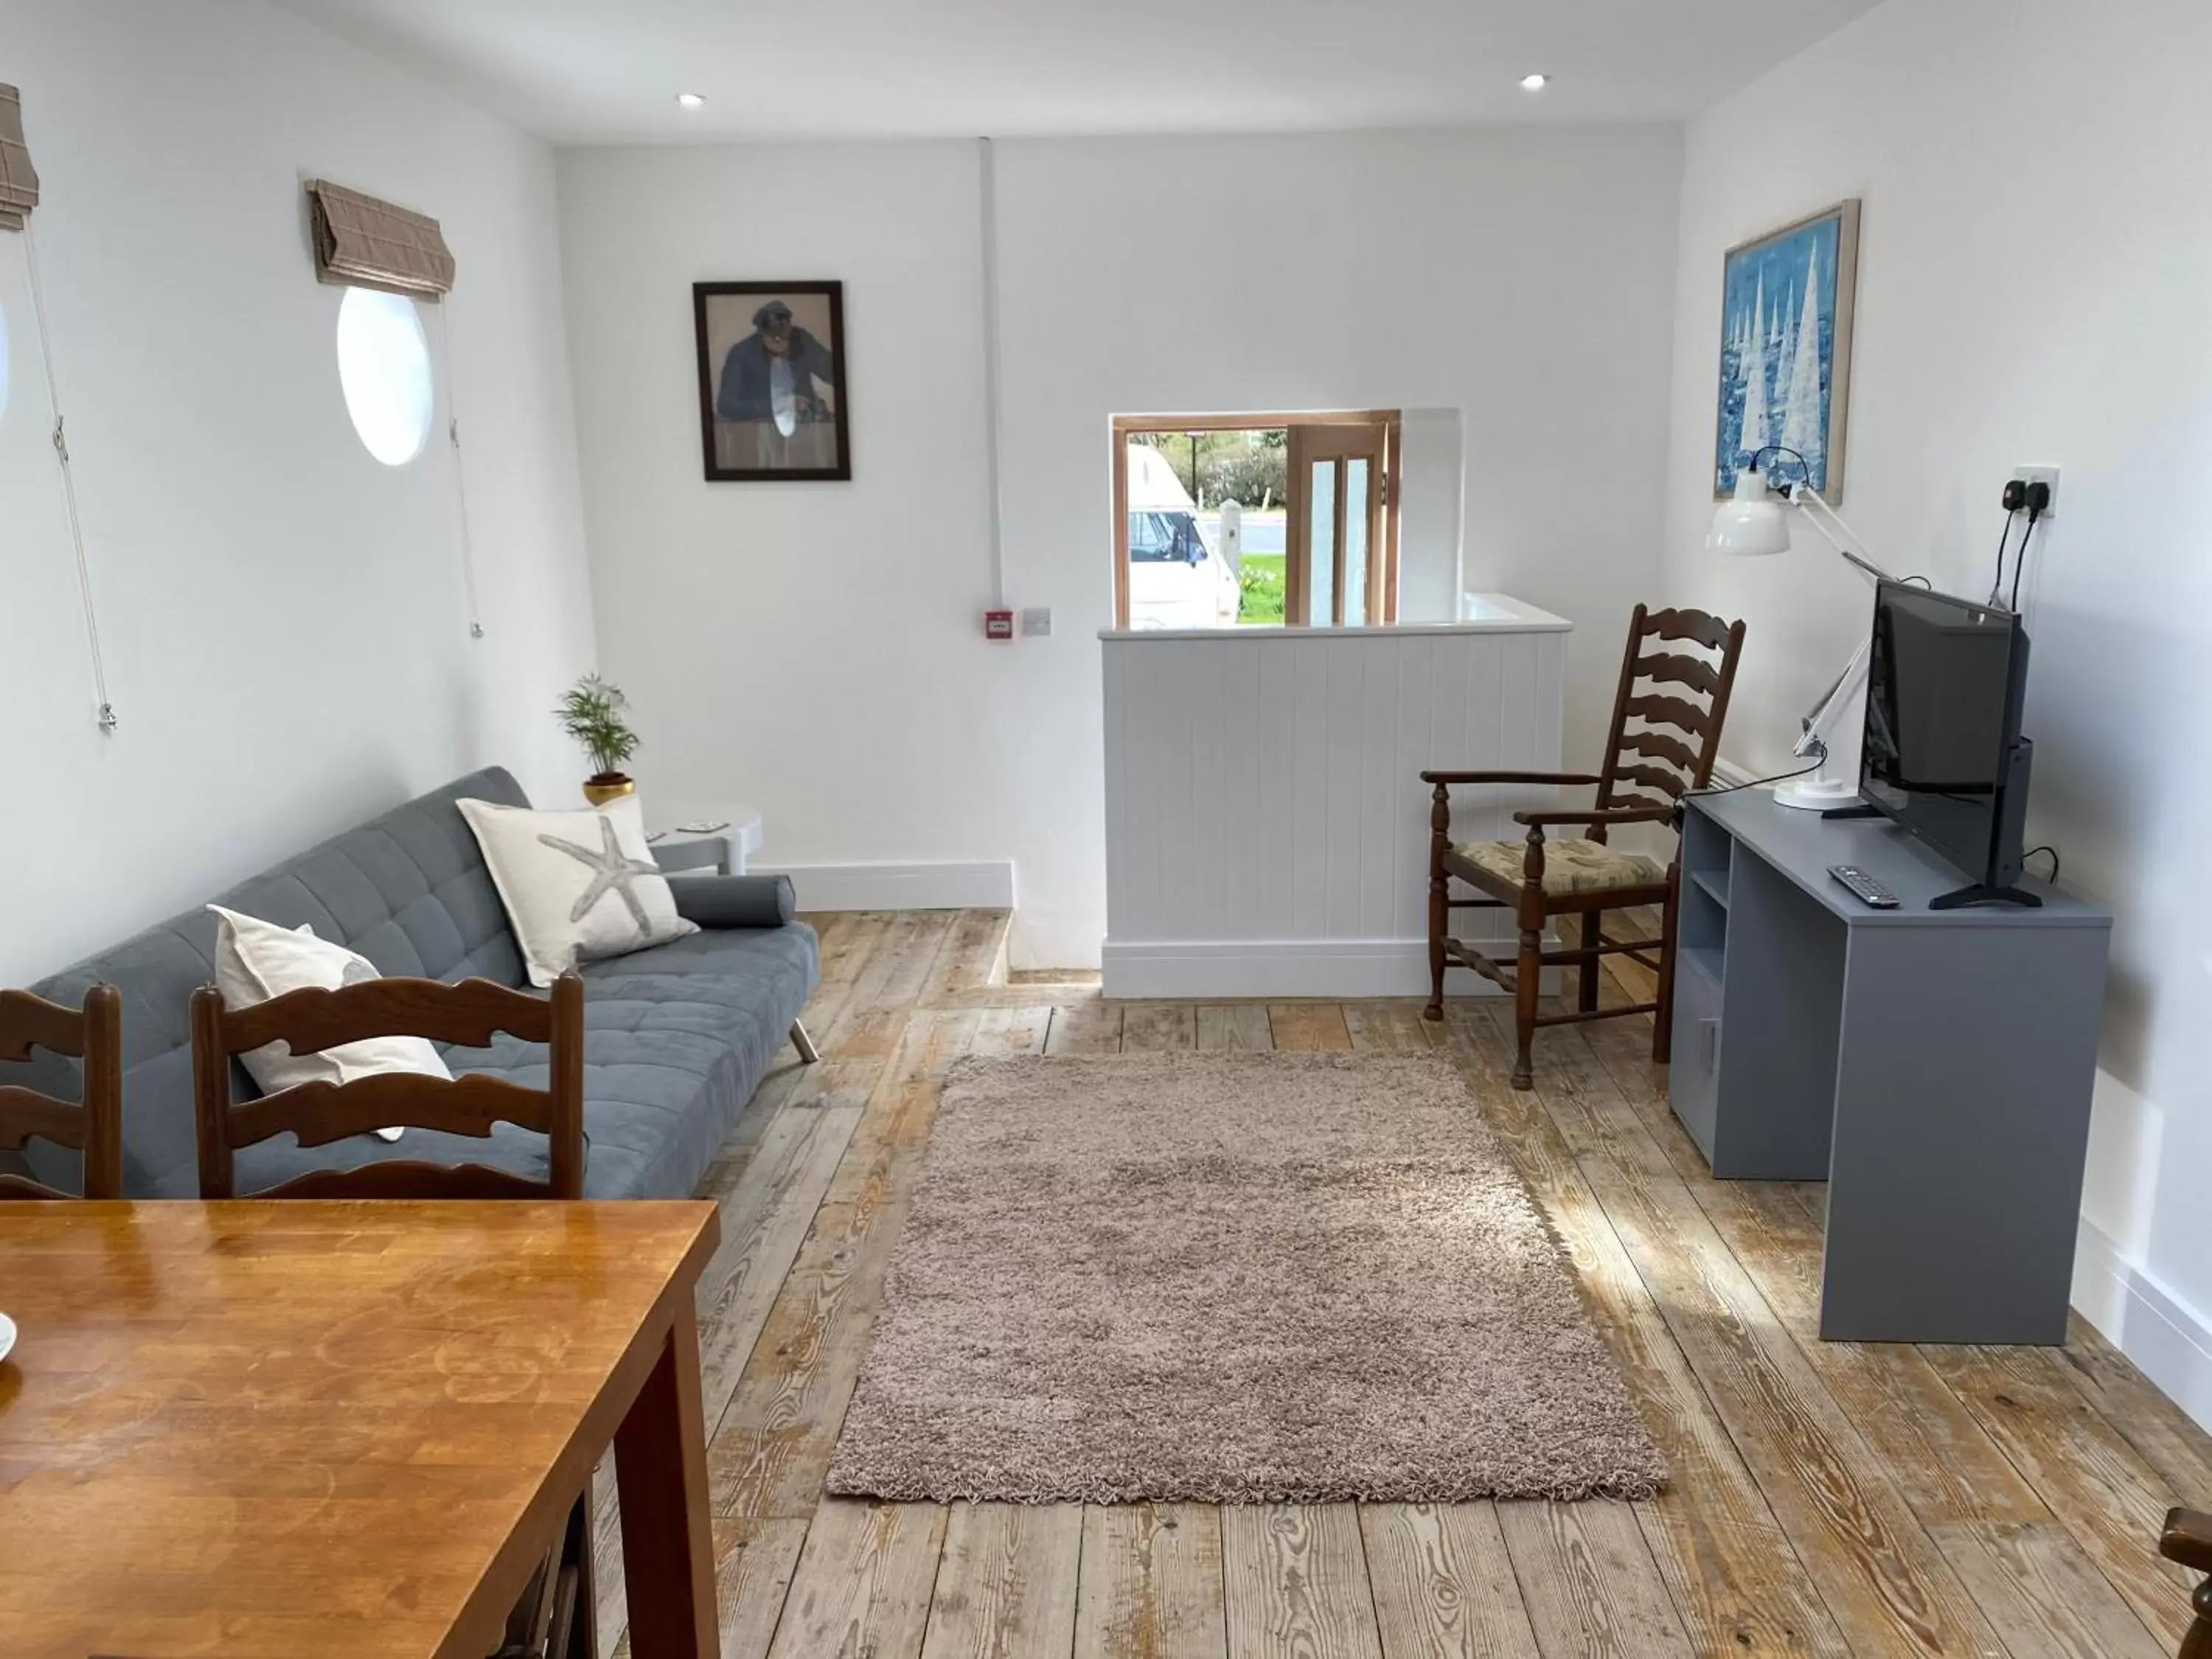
[1261, 577]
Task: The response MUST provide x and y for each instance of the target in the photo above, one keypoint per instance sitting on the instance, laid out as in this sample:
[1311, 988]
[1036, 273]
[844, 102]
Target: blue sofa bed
[677, 1037]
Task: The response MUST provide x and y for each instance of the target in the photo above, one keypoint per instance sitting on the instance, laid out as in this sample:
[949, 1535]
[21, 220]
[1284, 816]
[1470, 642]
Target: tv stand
[1862, 811]
[1960, 898]
[1932, 1064]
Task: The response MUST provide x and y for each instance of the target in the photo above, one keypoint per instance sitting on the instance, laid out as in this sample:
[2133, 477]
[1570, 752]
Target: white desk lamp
[1756, 524]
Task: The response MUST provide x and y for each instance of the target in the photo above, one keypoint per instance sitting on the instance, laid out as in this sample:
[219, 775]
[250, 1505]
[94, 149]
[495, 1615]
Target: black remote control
[1868, 890]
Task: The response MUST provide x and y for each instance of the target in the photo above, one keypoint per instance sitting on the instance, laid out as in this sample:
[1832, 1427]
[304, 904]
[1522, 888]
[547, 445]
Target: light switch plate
[1037, 619]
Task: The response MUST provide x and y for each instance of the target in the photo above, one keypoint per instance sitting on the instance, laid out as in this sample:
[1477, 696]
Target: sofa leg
[808, 1053]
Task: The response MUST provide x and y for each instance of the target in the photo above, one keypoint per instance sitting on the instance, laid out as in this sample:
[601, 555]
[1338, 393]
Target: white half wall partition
[1267, 828]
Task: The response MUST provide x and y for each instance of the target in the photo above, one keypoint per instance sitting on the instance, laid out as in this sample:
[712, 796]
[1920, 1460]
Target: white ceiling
[588, 71]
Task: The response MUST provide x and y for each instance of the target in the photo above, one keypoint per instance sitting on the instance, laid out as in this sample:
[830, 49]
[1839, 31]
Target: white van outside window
[1271, 520]
[1177, 578]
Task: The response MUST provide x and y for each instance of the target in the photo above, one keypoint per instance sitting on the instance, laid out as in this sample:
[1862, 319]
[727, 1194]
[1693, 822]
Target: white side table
[722, 850]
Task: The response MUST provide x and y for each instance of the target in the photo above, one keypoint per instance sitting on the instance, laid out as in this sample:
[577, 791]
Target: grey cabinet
[1934, 1068]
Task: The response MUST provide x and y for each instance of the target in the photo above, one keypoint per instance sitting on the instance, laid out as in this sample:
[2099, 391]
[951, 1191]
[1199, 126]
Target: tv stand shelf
[1933, 1067]
[1714, 883]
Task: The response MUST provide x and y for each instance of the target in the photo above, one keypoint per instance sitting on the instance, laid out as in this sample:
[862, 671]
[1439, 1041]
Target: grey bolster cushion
[735, 900]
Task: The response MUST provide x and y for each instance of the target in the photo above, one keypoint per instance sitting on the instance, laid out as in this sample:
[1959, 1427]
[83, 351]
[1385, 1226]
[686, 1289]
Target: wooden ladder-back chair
[555, 1615]
[319, 1113]
[93, 1126]
[1666, 735]
[2187, 1541]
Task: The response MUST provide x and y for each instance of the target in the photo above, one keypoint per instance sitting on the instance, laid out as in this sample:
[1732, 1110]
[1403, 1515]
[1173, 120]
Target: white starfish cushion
[255, 960]
[577, 885]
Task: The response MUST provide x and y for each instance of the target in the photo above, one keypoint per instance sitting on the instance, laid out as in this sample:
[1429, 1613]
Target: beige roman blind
[19, 184]
[360, 242]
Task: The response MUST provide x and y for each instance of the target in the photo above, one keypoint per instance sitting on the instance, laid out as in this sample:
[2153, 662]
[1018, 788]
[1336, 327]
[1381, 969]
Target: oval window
[384, 367]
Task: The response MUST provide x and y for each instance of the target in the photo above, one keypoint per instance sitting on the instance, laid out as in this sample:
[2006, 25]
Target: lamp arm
[1822, 715]
[1803, 494]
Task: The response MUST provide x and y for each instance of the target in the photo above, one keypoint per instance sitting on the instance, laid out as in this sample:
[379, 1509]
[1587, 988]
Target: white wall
[816, 650]
[285, 631]
[1432, 508]
[2034, 275]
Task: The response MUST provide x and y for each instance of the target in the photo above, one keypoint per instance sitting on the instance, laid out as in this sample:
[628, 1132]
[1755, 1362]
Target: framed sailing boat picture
[1785, 358]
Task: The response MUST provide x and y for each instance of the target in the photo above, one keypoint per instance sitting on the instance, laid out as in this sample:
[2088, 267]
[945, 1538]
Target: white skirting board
[1348, 968]
[2169, 1342]
[984, 885]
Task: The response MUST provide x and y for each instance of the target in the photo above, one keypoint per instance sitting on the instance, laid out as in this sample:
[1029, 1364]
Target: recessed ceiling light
[689, 99]
[1534, 82]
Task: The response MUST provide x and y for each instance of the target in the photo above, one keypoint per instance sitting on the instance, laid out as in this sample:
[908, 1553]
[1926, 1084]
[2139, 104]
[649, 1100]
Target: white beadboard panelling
[1308, 829]
[1278, 793]
[1382, 851]
[1338, 670]
[1245, 887]
[1268, 830]
[1408, 752]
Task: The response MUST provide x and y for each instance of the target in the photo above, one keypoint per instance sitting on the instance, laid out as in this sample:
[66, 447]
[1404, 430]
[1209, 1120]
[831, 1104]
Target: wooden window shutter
[360, 242]
[18, 183]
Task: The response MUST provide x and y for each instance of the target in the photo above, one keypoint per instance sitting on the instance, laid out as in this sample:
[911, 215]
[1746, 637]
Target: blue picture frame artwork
[1787, 299]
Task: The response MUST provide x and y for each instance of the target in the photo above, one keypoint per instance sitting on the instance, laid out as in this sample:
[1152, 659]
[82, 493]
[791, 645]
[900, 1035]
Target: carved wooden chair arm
[1596, 820]
[1536, 821]
[2187, 1540]
[1436, 777]
[1440, 799]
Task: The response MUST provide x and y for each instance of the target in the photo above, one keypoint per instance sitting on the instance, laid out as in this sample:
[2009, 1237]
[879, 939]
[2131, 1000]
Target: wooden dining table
[277, 1429]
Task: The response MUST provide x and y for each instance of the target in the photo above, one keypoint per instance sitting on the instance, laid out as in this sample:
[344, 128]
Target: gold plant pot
[609, 785]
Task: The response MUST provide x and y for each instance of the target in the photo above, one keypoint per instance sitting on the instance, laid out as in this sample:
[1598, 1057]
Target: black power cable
[2003, 536]
[2020, 559]
[2053, 851]
[1818, 760]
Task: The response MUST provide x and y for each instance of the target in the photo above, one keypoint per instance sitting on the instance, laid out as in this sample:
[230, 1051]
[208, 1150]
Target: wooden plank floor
[1827, 1499]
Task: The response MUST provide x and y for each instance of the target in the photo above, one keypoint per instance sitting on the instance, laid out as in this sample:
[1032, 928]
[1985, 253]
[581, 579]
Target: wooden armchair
[93, 1126]
[319, 1113]
[1662, 692]
[2187, 1541]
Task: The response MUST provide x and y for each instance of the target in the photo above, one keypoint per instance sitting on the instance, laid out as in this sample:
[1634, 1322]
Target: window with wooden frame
[1330, 561]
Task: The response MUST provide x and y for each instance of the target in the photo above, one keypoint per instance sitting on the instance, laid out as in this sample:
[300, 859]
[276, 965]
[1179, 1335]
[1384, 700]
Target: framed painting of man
[772, 404]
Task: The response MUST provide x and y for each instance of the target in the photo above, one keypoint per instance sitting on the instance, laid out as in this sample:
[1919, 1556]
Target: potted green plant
[593, 713]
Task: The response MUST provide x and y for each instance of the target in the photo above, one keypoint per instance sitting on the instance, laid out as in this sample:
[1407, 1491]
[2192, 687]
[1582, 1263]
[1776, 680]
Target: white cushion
[257, 960]
[577, 885]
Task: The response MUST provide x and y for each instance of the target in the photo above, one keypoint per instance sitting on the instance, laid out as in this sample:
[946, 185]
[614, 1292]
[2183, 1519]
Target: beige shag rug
[1230, 1278]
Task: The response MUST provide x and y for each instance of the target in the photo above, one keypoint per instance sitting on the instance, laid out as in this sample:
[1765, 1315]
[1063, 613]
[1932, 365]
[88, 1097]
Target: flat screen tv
[1944, 756]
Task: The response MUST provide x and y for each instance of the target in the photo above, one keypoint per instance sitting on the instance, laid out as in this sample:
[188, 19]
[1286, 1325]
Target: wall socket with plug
[2042, 475]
